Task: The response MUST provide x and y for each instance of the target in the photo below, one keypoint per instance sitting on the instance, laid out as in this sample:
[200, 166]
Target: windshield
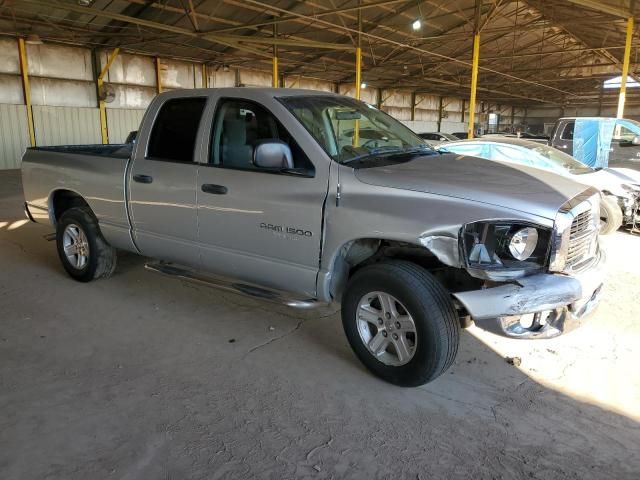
[350, 130]
[559, 159]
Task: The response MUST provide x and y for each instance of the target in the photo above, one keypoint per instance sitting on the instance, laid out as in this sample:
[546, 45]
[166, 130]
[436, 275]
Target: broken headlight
[505, 250]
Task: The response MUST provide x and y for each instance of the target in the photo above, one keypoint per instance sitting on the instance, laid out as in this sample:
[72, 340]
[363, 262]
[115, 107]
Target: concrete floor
[144, 377]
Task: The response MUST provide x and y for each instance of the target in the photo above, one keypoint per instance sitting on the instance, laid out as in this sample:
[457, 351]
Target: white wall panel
[427, 102]
[368, 95]
[63, 93]
[130, 96]
[175, 74]
[121, 121]
[421, 126]
[399, 113]
[450, 127]
[250, 78]
[59, 61]
[14, 135]
[9, 56]
[221, 79]
[66, 125]
[308, 84]
[11, 89]
[396, 98]
[130, 69]
[426, 115]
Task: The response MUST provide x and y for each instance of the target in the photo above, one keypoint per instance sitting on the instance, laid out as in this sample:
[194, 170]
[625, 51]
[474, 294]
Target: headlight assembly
[504, 250]
[523, 243]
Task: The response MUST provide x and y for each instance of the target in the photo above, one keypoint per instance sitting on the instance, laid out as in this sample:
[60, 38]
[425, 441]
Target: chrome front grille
[582, 235]
[575, 245]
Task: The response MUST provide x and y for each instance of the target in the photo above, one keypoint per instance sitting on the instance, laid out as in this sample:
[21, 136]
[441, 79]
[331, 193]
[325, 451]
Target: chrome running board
[221, 283]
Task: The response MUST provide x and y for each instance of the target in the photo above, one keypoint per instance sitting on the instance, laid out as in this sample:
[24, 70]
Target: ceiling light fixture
[417, 24]
[363, 85]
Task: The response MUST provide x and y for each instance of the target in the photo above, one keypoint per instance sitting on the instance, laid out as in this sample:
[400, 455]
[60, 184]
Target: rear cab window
[174, 132]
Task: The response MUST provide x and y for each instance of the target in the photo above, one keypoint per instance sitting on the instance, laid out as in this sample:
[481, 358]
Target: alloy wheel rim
[386, 328]
[76, 246]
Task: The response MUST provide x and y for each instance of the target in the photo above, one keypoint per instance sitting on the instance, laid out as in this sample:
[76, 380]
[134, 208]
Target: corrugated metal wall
[64, 95]
[121, 121]
[66, 125]
[14, 136]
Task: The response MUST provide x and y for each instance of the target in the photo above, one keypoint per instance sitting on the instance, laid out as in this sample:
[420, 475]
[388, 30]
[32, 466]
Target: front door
[259, 225]
[163, 182]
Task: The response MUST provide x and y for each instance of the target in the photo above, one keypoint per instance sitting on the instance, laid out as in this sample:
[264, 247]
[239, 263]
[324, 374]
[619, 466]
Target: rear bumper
[554, 303]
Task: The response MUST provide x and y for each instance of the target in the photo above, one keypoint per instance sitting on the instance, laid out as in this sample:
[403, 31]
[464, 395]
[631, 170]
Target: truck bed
[97, 173]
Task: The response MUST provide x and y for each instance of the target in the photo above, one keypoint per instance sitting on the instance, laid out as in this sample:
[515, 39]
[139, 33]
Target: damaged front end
[537, 282]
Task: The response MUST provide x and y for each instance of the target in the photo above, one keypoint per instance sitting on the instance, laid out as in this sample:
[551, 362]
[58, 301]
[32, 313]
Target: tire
[100, 258]
[610, 216]
[413, 292]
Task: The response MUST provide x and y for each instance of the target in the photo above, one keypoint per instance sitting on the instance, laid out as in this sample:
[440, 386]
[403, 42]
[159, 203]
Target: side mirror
[272, 154]
[131, 138]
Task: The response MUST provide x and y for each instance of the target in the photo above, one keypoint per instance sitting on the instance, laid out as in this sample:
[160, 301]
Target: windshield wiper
[387, 151]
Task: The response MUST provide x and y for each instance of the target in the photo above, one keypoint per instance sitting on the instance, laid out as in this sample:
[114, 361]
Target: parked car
[434, 138]
[619, 139]
[264, 192]
[621, 192]
[461, 135]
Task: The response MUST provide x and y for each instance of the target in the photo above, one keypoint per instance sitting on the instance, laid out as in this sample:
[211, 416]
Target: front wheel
[610, 216]
[82, 249]
[400, 322]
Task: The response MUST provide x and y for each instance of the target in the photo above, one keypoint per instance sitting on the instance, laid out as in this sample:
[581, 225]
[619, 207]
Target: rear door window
[174, 133]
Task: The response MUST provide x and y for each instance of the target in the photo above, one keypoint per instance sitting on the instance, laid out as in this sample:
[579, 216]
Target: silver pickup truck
[307, 198]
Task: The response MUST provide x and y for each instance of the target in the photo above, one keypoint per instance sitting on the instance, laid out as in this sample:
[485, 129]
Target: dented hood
[515, 187]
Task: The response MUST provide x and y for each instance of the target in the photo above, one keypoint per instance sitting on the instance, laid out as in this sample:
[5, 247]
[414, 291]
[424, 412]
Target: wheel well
[63, 200]
[359, 253]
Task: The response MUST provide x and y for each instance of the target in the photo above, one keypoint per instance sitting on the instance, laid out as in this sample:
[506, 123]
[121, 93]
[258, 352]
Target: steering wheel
[371, 143]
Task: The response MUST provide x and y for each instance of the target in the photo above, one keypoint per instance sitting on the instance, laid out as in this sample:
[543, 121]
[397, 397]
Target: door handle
[215, 189]
[142, 178]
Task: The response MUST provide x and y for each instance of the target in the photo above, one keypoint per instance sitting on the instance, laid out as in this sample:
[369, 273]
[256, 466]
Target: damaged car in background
[308, 198]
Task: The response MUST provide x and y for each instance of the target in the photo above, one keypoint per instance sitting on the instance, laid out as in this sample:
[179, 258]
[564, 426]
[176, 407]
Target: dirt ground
[144, 377]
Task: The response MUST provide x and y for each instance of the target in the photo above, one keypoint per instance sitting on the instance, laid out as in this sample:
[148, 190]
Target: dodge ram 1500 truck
[307, 198]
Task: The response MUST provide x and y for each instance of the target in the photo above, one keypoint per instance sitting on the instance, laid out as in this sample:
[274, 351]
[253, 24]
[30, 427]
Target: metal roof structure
[533, 52]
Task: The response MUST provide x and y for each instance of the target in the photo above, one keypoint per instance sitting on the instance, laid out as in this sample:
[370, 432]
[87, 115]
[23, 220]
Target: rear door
[162, 181]
[259, 225]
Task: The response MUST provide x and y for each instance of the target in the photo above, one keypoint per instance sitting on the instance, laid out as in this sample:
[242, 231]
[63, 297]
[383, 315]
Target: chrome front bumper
[561, 303]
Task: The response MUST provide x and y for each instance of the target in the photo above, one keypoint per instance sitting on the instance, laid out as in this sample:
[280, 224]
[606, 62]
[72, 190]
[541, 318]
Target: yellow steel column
[274, 61]
[356, 128]
[205, 80]
[474, 85]
[625, 68]
[26, 89]
[158, 77]
[104, 132]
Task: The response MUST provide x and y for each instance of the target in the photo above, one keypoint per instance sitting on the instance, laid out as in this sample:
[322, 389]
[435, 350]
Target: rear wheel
[400, 322]
[82, 249]
[610, 216]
